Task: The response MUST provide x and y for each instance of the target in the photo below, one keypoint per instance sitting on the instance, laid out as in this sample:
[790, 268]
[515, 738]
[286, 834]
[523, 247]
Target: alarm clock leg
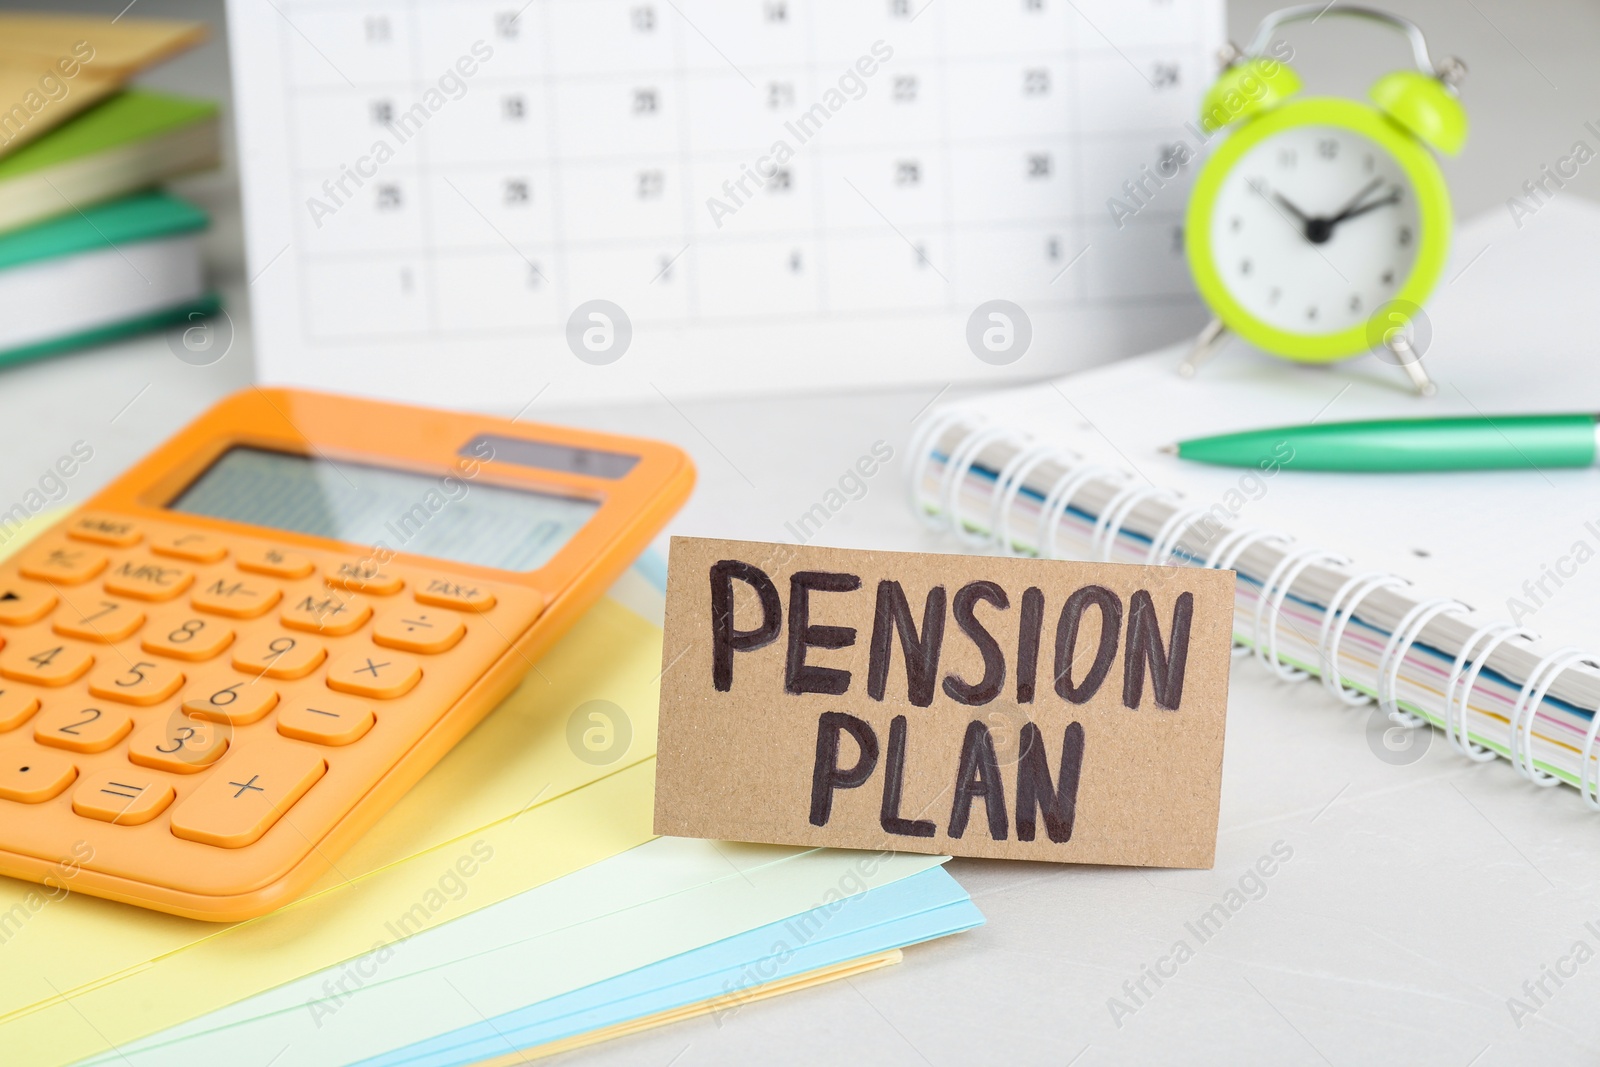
[1410, 361]
[1213, 337]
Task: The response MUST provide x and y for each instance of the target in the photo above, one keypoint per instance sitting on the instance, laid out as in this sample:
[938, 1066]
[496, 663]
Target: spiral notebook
[1467, 601]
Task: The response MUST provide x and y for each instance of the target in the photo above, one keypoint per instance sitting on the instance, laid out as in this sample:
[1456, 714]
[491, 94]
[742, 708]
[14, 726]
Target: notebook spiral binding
[946, 515]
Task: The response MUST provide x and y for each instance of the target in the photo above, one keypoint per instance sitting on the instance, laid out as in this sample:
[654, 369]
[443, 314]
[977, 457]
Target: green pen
[1466, 443]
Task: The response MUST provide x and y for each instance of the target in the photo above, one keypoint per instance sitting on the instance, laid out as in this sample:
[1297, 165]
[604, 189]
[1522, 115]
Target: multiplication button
[376, 673]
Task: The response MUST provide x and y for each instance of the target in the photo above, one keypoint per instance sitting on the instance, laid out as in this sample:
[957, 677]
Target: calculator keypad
[21, 603]
[96, 618]
[46, 660]
[235, 807]
[62, 564]
[148, 578]
[127, 797]
[186, 544]
[183, 634]
[177, 695]
[34, 776]
[80, 728]
[278, 655]
[142, 682]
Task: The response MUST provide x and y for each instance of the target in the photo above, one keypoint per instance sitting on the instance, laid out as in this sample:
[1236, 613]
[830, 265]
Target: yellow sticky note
[82, 972]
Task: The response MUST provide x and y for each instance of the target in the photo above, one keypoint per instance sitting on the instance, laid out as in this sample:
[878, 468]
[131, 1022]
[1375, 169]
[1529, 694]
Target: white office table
[1417, 898]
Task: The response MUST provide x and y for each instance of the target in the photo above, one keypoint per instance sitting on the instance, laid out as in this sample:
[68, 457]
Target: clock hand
[1296, 212]
[1392, 198]
[1344, 212]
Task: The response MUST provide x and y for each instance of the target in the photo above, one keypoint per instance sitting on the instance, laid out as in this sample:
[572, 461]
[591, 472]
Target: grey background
[1413, 908]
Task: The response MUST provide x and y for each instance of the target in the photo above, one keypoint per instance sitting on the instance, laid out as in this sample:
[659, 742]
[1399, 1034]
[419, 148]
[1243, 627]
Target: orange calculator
[225, 666]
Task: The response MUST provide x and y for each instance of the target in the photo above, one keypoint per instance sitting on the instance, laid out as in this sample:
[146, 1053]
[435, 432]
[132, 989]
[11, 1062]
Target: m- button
[237, 598]
[450, 593]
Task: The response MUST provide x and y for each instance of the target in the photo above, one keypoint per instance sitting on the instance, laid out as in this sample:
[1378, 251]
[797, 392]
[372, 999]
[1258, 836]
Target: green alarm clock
[1319, 225]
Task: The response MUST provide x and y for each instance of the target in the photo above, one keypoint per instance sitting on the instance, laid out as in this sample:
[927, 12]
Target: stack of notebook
[1461, 600]
[514, 904]
[87, 251]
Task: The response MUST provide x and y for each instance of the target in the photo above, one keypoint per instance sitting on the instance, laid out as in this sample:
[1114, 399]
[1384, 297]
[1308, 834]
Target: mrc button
[460, 593]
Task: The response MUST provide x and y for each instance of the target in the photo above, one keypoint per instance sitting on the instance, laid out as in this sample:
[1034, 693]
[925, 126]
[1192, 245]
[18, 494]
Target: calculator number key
[80, 729]
[376, 673]
[415, 630]
[125, 796]
[148, 579]
[142, 682]
[184, 636]
[278, 656]
[21, 604]
[234, 807]
[64, 565]
[103, 621]
[328, 720]
[181, 744]
[45, 664]
[236, 598]
[235, 701]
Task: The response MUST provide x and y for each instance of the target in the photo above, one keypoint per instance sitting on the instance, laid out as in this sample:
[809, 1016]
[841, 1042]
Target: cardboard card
[970, 705]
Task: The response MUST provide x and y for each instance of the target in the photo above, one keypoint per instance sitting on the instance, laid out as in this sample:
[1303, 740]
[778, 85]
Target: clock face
[1314, 228]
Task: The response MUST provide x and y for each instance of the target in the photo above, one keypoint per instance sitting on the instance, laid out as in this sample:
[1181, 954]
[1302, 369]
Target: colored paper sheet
[820, 976]
[650, 904]
[919, 908]
[81, 970]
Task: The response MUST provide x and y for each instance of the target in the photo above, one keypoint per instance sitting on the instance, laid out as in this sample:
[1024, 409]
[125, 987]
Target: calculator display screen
[448, 517]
